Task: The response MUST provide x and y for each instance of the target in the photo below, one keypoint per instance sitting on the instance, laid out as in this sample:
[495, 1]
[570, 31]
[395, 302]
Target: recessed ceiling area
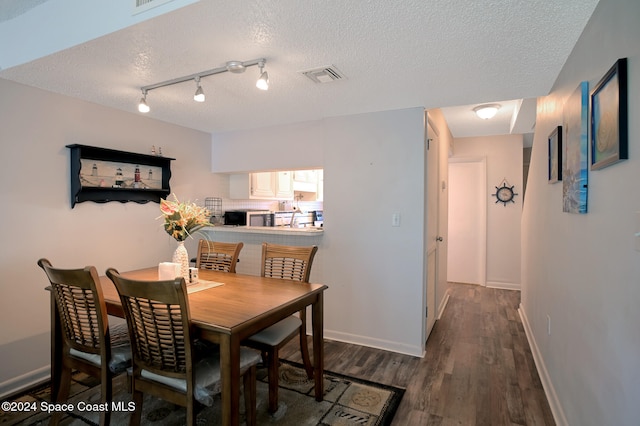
[395, 54]
[513, 117]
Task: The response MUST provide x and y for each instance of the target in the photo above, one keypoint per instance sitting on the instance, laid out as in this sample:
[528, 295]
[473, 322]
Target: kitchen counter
[275, 230]
[253, 237]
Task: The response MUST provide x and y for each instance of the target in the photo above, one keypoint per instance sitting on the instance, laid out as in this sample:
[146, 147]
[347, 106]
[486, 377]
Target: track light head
[142, 105]
[263, 81]
[199, 95]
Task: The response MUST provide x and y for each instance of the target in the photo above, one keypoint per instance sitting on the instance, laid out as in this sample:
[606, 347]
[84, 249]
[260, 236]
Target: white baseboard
[386, 345]
[443, 304]
[503, 286]
[17, 384]
[545, 378]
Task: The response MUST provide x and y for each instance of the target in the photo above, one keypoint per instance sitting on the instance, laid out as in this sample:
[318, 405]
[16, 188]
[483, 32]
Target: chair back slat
[158, 319]
[78, 312]
[287, 262]
[218, 256]
[81, 306]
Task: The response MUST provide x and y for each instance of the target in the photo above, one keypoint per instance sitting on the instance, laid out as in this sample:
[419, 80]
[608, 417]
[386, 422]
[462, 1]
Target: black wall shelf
[142, 178]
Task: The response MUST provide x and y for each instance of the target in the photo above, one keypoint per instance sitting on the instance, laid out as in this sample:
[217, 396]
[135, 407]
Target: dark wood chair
[291, 263]
[167, 362]
[218, 256]
[89, 344]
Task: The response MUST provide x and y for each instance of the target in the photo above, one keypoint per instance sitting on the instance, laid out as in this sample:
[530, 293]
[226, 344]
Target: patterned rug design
[347, 401]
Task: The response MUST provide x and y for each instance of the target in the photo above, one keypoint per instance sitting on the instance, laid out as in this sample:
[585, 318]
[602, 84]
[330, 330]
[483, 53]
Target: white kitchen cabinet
[284, 185]
[262, 186]
[305, 180]
[320, 193]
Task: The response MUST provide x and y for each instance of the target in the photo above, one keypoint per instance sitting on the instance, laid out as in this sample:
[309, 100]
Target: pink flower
[183, 219]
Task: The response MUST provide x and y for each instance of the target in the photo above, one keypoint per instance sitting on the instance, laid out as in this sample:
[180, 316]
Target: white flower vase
[182, 257]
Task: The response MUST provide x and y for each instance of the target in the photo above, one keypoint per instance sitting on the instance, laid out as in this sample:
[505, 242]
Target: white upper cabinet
[305, 180]
[263, 186]
[284, 185]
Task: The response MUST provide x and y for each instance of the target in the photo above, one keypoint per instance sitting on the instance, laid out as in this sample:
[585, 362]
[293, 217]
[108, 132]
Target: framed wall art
[555, 155]
[609, 118]
[575, 157]
[102, 175]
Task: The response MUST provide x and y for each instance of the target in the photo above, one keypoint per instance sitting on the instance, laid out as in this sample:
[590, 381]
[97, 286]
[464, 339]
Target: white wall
[37, 219]
[288, 147]
[503, 161]
[582, 270]
[373, 166]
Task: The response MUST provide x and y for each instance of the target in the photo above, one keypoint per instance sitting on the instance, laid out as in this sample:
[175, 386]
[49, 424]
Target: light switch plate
[395, 219]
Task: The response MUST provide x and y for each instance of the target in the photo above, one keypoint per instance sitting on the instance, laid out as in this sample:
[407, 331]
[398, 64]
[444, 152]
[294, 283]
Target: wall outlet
[548, 325]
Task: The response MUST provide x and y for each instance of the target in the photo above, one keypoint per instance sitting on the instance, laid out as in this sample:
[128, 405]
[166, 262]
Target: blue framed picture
[575, 158]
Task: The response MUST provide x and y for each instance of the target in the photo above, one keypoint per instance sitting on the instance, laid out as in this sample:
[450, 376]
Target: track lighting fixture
[263, 81]
[142, 105]
[199, 95]
[235, 67]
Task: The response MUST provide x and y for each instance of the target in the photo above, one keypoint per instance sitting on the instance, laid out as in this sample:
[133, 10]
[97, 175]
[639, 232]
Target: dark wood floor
[478, 368]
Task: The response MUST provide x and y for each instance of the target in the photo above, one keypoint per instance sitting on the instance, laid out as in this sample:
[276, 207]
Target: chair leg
[107, 392]
[65, 386]
[273, 365]
[63, 394]
[191, 412]
[136, 416]
[250, 395]
[304, 348]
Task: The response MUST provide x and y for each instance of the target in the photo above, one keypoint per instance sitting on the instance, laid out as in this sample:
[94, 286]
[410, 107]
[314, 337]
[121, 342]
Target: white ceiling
[449, 54]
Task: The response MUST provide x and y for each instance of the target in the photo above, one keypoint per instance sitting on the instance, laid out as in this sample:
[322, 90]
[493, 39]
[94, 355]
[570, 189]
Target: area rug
[347, 401]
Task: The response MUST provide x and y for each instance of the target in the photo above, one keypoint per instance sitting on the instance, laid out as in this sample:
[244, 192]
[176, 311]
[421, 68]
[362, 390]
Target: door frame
[431, 228]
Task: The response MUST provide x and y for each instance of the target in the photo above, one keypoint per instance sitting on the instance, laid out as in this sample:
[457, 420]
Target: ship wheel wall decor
[504, 194]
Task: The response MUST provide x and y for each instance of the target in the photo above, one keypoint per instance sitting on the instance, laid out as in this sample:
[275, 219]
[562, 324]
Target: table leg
[230, 374]
[56, 349]
[317, 318]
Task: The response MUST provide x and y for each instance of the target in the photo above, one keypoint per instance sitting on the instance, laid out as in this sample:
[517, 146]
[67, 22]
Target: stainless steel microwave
[248, 218]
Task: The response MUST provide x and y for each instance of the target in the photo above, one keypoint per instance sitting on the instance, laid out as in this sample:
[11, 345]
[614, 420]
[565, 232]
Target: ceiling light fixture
[199, 95]
[486, 111]
[142, 105]
[263, 81]
[236, 67]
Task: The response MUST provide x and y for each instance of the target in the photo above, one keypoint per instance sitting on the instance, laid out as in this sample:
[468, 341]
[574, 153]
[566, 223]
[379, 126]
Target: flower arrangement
[183, 219]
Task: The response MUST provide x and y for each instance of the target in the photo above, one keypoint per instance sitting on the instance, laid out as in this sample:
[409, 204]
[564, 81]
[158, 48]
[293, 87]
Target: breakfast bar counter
[253, 237]
[309, 231]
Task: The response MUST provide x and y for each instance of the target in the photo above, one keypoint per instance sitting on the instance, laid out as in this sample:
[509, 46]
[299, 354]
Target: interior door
[432, 237]
[467, 248]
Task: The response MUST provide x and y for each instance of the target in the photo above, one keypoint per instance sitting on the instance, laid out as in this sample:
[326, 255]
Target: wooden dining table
[227, 314]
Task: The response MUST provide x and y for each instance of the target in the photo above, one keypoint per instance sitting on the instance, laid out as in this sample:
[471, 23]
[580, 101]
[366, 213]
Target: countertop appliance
[300, 220]
[318, 218]
[248, 218]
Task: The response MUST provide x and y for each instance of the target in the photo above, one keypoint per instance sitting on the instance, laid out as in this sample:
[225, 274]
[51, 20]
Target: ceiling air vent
[324, 74]
[144, 5]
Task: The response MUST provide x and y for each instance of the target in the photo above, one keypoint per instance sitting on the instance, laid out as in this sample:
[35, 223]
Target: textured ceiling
[395, 54]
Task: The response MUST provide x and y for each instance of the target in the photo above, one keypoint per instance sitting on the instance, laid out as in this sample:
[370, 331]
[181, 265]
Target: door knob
[439, 239]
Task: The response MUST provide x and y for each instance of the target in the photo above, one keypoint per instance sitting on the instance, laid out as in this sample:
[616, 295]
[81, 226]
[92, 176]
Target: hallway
[478, 369]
